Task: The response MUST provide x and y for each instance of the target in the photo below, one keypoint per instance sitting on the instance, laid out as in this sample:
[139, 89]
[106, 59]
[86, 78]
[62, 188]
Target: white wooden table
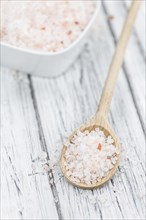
[38, 113]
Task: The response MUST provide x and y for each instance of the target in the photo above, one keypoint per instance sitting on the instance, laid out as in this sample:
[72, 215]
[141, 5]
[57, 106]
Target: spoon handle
[117, 60]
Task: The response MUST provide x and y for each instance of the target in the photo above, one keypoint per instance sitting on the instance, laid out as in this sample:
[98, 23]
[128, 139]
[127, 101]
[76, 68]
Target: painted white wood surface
[37, 114]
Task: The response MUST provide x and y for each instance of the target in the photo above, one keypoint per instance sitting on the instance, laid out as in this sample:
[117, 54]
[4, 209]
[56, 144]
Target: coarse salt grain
[90, 156]
[44, 25]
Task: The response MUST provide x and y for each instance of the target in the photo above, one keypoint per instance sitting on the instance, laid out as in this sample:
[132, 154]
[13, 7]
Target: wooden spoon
[100, 119]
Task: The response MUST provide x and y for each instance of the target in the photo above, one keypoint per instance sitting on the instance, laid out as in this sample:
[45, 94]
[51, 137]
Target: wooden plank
[23, 196]
[139, 29]
[134, 66]
[67, 101]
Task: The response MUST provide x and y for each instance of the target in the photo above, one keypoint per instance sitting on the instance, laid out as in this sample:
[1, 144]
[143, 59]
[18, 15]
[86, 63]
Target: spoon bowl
[101, 123]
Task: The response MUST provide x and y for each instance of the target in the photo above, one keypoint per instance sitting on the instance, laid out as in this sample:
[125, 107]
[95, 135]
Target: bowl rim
[32, 51]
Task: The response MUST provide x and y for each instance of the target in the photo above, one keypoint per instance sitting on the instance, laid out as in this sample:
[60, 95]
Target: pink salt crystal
[69, 32]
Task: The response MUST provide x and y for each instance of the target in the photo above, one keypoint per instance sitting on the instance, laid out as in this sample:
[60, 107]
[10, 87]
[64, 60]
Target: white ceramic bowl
[44, 63]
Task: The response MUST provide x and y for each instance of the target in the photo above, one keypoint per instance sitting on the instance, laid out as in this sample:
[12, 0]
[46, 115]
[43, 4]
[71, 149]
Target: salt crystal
[50, 174]
[43, 155]
[46, 167]
[55, 200]
[51, 181]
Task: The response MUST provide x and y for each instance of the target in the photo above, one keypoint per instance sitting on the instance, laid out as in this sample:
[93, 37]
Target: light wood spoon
[100, 119]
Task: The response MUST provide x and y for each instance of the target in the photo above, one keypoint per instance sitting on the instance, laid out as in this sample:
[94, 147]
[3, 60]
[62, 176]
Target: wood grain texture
[134, 66]
[139, 26]
[117, 59]
[37, 114]
[23, 196]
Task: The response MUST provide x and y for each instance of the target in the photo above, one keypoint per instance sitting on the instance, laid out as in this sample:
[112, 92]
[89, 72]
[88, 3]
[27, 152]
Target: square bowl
[45, 64]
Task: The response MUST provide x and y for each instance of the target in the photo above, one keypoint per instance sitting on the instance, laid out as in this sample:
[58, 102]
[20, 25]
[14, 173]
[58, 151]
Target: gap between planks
[44, 147]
